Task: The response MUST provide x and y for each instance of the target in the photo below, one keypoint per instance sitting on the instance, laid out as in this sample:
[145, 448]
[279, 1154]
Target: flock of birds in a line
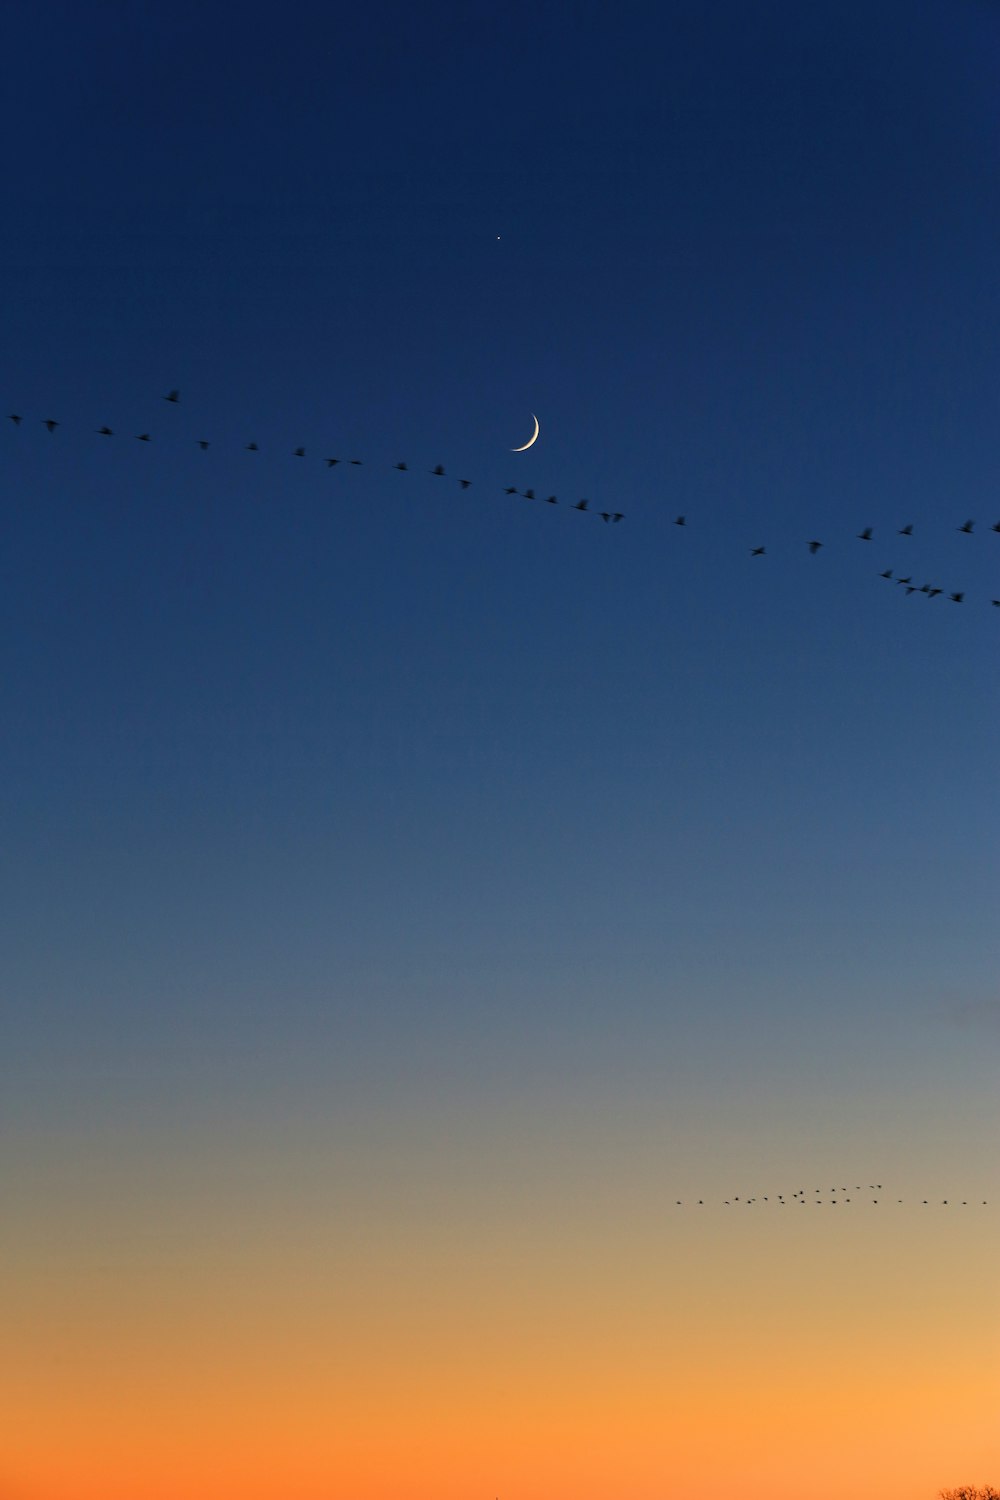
[906, 582]
[834, 1195]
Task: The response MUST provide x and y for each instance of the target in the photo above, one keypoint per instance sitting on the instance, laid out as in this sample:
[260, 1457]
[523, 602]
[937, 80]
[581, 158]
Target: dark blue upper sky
[361, 749]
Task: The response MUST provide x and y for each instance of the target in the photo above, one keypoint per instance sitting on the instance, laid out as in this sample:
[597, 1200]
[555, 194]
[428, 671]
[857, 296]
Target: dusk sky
[410, 892]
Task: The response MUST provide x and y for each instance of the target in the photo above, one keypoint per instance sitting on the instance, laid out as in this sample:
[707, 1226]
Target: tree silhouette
[969, 1492]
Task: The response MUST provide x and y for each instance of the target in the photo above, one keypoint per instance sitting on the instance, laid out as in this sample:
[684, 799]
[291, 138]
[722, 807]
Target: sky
[414, 899]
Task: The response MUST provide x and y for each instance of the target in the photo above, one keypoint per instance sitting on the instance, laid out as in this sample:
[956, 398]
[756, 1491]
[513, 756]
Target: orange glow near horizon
[649, 1360]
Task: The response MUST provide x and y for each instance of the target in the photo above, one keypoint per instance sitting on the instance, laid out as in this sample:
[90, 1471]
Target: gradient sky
[408, 894]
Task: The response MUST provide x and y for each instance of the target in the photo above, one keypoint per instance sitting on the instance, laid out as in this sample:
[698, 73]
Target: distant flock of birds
[611, 517]
[832, 1196]
[439, 471]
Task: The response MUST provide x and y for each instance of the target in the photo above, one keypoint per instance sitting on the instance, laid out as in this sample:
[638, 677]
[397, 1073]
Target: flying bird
[173, 396]
[105, 432]
[510, 490]
[619, 515]
[202, 443]
[680, 520]
[957, 598]
[581, 505]
[438, 469]
[886, 574]
[866, 535]
[50, 423]
[252, 448]
[356, 461]
[757, 552]
[143, 437]
[551, 500]
[967, 528]
[906, 530]
[528, 494]
[332, 463]
[400, 465]
[465, 483]
[814, 547]
[299, 453]
[903, 580]
[15, 418]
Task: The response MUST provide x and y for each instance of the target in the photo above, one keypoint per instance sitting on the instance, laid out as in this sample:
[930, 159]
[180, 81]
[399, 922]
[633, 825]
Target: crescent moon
[531, 439]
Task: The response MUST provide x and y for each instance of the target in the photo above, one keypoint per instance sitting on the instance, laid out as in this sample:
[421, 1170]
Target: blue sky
[352, 785]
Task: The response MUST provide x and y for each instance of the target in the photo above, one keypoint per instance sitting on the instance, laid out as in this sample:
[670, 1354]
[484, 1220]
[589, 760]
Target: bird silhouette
[866, 534]
[957, 598]
[933, 593]
[995, 603]
[357, 462]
